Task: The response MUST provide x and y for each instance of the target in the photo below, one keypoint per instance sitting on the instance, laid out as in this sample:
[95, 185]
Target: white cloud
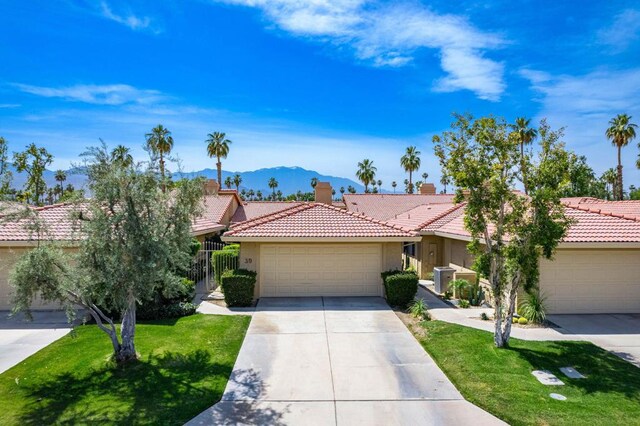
[584, 105]
[623, 31]
[130, 20]
[392, 34]
[10, 105]
[113, 94]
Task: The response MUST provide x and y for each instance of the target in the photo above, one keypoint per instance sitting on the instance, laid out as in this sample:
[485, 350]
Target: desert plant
[522, 321]
[419, 309]
[447, 295]
[533, 307]
[484, 316]
[464, 303]
[400, 287]
[475, 294]
[459, 287]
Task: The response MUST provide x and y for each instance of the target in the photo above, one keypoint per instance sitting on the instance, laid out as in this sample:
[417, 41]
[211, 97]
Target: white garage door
[320, 270]
[592, 281]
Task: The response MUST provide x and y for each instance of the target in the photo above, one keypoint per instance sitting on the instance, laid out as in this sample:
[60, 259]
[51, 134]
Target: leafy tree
[620, 132]
[634, 193]
[610, 180]
[237, 180]
[160, 143]
[228, 182]
[218, 146]
[60, 177]
[366, 173]
[5, 174]
[273, 184]
[524, 135]
[122, 155]
[393, 185]
[509, 231]
[34, 162]
[582, 179]
[410, 162]
[314, 182]
[133, 240]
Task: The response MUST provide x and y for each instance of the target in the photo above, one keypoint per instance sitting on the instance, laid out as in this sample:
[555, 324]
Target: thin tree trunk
[219, 165]
[410, 184]
[523, 170]
[127, 350]
[620, 192]
[162, 173]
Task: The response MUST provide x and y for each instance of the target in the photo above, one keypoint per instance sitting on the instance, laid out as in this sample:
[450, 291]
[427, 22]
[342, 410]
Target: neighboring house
[596, 268]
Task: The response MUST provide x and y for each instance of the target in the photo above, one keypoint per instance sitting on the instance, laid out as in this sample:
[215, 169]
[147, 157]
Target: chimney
[211, 187]
[428, 189]
[323, 193]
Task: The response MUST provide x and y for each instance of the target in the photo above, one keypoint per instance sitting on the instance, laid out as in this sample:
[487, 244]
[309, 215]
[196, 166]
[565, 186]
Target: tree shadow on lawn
[605, 373]
[169, 388]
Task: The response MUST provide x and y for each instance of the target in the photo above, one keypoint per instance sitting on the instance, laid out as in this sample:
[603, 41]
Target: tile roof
[251, 209]
[387, 206]
[316, 220]
[420, 216]
[629, 209]
[216, 206]
[56, 219]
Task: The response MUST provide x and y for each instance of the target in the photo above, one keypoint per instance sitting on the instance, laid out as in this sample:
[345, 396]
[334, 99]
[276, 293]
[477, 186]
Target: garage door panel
[320, 269]
[592, 281]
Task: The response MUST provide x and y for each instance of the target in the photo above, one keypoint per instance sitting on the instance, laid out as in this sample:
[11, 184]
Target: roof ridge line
[442, 215]
[601, 213]
[369, 218]
[265, 218]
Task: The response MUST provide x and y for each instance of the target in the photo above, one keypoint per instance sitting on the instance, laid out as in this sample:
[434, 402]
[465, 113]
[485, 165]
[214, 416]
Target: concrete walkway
[336, 361]
[619, 334]
[20, 339]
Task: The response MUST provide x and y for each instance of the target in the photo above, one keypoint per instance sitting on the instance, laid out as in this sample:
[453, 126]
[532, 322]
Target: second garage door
[592, 282]
[320, 270]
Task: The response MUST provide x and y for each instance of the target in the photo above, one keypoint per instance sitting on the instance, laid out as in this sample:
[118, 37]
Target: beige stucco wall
[391, 253]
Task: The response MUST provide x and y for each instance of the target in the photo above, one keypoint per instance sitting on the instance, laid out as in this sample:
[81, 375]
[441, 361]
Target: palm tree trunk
[162, 173]
[523, 170]
[410, 184]
[620, 192]
[219, 164]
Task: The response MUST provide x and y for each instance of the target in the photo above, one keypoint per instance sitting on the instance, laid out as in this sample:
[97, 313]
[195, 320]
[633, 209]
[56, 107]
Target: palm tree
[259, 195]
[610, 179]
[342, 190]
[121, 155]
[237, 180]
[351, 189]
[621, 132]
[160, 143]
[273, 184]
[425, 175]
[250, 194]
[228, 182]
[61, 176]
[406, 185]
[525, 135]
[445, 180]
[314, 182]
[366, 173]
[218, 146]
[394, 184]
[410, 161]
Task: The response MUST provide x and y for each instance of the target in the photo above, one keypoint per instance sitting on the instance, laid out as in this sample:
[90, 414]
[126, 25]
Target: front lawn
[184, 368]
[500, 380]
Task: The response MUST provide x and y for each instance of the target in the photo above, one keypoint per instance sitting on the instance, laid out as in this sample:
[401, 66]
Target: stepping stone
[547, 378]
[571, 373]
[558, 396]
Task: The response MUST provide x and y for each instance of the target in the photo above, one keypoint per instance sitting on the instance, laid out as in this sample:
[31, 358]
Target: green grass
[500, 380]
[184, 368]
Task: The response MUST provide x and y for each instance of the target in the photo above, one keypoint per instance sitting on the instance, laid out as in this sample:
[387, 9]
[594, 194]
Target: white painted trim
[232, 238]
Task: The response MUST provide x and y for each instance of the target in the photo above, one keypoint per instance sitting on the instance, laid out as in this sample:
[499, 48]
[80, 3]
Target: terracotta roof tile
[252, 209]
[420, 216]
[627, 208]
[56, 219]
[317, 220]
[388, 206]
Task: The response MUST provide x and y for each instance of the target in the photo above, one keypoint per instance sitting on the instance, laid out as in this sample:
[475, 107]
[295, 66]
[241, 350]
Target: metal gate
[202, 267]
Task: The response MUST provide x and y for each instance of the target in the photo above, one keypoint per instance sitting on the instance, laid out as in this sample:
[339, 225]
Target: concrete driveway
[336, 361]
[618, 333]
[20, 339]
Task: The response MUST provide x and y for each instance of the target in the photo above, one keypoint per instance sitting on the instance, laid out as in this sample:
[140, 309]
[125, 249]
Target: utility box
[442, 276]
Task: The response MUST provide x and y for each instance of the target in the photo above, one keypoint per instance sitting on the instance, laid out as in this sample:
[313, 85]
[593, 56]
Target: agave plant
[418, 309]
[533, 307]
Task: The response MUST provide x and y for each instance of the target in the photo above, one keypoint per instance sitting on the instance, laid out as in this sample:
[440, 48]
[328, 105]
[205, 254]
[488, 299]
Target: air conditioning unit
[442, 275]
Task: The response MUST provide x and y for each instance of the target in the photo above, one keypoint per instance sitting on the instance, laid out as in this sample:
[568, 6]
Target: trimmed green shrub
[173, 310]
[238, 287]
[232, 247]
[400, 287]
[447, 295]
[224, 260]
[464, 303]
[523, 320]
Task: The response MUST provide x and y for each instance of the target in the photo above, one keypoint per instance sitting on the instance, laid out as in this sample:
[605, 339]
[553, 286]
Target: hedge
[238, 287]
[400, 287]
[223, 260]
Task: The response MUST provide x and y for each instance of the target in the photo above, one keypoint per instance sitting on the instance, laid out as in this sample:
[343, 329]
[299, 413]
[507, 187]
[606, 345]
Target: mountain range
[290, 179]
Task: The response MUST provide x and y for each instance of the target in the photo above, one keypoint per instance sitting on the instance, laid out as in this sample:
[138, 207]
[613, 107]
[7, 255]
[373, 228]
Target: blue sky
[320, 84]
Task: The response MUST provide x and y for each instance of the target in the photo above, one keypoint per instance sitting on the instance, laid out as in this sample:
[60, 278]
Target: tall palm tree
[379, 182]
[351, 189]
[218, 146]
[620, 132]
[445, 180]
[425, 175]
[273, 184]
[394, 184]
[525, 136]
[259, 195]
[228, 182]
[61, 176]
[410, 161]
[342, 190]
[610, 179]
[314, 182]
[366, 173]
[237, 180]
[160, 143]
[121, 154]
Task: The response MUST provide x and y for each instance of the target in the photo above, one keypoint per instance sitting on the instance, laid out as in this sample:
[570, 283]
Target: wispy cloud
[623, 31]
[129, 20]
[113, 94]
[585, 104]
[10, 105]
[392, 35]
